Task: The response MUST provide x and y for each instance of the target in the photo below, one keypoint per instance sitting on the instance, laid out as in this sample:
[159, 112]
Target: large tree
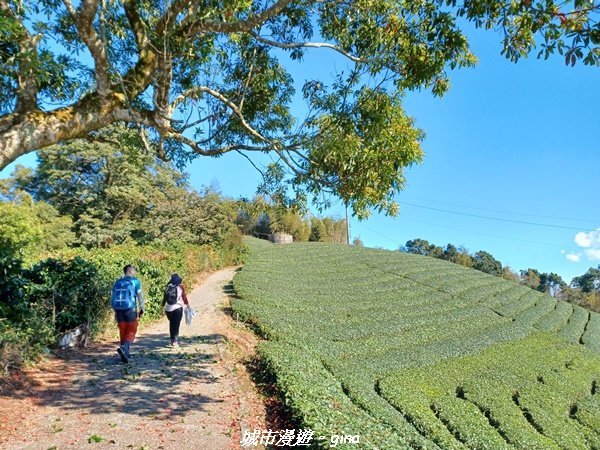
[204, 77]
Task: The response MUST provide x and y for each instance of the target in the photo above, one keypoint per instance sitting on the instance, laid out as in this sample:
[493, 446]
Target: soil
[199, 396]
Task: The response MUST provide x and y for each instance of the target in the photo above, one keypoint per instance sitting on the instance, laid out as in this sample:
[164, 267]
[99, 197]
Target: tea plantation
[414, 352]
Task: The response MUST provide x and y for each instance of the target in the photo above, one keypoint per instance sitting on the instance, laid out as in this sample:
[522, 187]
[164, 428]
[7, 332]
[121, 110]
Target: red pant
[128, 324]
[127, 331]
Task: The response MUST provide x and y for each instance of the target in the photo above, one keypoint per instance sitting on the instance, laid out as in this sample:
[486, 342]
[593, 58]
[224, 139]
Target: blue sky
[516, 142]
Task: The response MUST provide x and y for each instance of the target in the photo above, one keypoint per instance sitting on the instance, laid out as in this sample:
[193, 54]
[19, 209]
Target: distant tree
[551, 283]
[317, 230]
[458, 255]
[531, 278]
[340, 231]
[451, 253]
[11, 189]
[509, 274]
[18, 228]
[485, 262]
[357, 242]
[291, 222]
[423, 247]
[584, 290]
[589, 281]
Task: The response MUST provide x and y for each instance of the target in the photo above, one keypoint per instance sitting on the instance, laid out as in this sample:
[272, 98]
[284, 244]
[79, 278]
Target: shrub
[73, 286]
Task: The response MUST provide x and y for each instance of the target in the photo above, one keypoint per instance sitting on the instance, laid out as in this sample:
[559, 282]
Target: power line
[499, 219]
[380, 234]
[486, 234]
[571, 219]
[526, 241]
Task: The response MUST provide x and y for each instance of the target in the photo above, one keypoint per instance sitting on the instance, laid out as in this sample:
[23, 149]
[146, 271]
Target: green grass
[414, 352]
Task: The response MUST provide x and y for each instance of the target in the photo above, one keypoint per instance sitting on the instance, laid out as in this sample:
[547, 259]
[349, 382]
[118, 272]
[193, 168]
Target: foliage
[211, 79]
[115, 194]
[73, 287]
[27, 228]
[570, 29]
[589, 281]
[261, 217]
[379, 341]
[487, 263]
[233, 249]
[154, 264]
[17, 229]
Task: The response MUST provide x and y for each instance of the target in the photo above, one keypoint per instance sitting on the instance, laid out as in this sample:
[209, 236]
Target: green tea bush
[416, 352]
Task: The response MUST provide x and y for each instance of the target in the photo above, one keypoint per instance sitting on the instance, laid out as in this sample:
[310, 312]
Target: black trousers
[174, 322]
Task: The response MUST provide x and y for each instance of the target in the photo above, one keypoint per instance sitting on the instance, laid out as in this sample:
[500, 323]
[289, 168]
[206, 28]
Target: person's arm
[140, 296]
[184, 296]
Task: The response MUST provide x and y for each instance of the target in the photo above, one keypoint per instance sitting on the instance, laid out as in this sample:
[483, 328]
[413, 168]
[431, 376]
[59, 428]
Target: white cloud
[593, 254]
[590, 243]
[587, 240]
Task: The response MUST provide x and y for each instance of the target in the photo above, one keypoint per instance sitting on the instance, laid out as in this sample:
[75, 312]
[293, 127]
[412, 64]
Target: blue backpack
[123, 294]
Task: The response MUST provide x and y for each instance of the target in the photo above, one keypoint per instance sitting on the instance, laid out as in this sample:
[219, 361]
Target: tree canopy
[200, 77]
[114, 193]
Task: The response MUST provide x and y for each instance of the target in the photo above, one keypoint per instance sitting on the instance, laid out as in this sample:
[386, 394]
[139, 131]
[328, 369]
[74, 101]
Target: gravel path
[195, 397]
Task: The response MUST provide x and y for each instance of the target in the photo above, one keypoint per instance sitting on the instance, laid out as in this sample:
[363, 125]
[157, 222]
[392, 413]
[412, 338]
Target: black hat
[176, 279]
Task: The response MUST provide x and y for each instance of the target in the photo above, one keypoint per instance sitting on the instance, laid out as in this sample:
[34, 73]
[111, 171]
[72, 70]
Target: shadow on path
[155, 383]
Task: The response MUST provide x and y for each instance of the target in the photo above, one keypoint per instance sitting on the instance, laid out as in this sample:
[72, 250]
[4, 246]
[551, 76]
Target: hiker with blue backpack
[126, 297]
[174, 299]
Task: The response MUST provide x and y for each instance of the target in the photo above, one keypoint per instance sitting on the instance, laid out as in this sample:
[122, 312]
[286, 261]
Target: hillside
[410, 351]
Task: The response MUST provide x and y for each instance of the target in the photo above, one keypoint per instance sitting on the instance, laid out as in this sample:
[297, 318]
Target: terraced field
[414, 352]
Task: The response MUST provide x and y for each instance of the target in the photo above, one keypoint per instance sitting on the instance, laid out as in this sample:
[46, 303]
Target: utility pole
[347, 226]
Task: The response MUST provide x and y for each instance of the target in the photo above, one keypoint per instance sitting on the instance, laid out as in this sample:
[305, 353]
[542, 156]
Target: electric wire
[499, 219]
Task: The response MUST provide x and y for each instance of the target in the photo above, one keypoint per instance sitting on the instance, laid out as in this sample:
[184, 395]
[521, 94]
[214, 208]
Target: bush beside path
[198, 396]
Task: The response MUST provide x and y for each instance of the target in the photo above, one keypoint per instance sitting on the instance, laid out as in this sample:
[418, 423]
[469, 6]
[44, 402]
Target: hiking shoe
[175, 344]
[124, 357]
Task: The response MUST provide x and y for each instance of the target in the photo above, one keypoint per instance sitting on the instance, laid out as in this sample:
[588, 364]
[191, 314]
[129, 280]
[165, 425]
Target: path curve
[188, 398]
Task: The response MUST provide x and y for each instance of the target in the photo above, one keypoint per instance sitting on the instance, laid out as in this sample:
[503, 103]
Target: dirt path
[197, 397]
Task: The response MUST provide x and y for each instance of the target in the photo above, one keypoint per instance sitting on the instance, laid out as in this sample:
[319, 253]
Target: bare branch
[292, 45]
[84, 22]
[168, 18]
[252, 163]
[222, 99]
[190, 25]
[220, 150]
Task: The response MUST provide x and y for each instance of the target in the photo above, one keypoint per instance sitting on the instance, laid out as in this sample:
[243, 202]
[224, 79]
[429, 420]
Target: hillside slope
[410, 351]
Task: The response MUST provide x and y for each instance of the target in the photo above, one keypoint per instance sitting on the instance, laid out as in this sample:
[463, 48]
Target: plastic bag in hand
[189, 315]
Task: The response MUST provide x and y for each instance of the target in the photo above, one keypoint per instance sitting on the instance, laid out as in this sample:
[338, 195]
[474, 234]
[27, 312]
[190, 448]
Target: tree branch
[84, 22]
[136, 23]
[292, 45]
[220, 150]
[224, 100]
[190, 25]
